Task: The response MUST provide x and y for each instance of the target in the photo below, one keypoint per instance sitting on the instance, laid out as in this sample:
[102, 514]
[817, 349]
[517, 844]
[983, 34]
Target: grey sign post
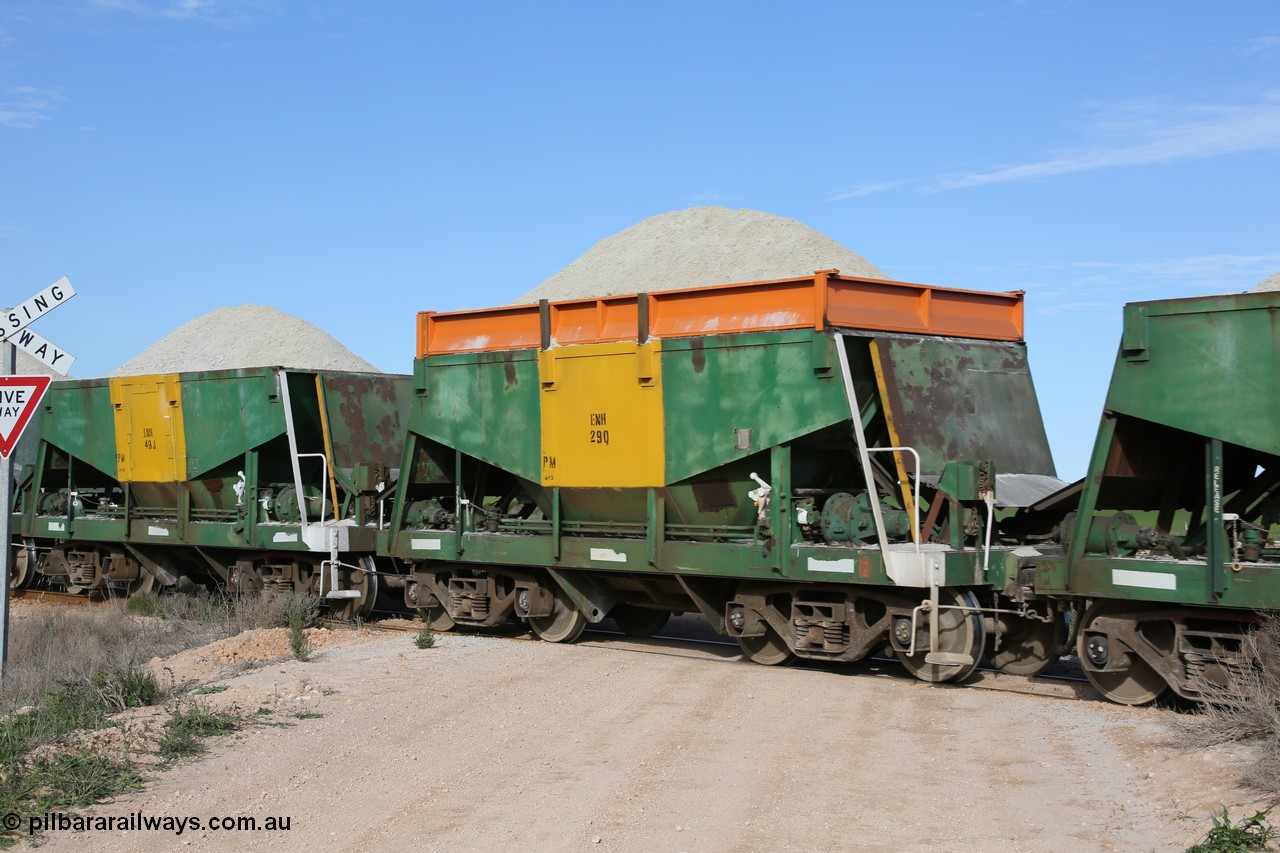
[14, 334]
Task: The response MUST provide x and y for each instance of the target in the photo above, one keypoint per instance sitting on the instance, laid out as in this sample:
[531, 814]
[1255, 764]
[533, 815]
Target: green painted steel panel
[604, 505]
[956, 399]
[1255, 586]
[1206, 365]
[93, 529]
[485, 405]
[718, 497]
[228, 413]
[79, 420]
[763, 382]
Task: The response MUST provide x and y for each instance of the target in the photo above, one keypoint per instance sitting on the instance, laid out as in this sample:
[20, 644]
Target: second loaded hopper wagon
[814, 464]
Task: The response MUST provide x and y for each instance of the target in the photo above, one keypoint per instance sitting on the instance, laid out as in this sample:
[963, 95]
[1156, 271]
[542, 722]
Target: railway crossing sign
[19, 396]
[13, 326]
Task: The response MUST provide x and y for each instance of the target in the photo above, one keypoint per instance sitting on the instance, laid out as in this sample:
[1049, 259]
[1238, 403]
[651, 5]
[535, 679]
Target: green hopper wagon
[814, 464]
[261, 478]
[1172, 535]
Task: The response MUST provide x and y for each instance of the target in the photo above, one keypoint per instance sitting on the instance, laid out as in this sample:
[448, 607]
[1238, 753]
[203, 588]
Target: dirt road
[489, 743]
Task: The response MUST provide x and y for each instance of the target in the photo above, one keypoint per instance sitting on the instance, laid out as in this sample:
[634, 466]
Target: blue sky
[353, 164]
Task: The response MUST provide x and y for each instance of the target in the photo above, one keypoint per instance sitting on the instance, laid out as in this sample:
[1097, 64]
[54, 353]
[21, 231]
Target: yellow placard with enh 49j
[151, 446]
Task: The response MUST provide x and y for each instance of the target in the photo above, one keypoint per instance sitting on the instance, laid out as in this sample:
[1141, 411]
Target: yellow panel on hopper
[151, 446]
[602, 415]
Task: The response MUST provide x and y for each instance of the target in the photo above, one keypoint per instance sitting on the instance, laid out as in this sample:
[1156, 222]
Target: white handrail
[324, 478]
[915, 504]
[860, 437]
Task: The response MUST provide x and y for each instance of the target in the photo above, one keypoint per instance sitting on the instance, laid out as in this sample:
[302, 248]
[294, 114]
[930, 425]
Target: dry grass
[74, 645]
[53, 647]
[1248, 713]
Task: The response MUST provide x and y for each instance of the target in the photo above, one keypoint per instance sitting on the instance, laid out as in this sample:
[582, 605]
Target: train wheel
[564, 625]
[1137, 683]
[766, 650]
[639, 621]
[436, 616]
[1029, 647]
[960, 632]
[23, 566]
[144, 585]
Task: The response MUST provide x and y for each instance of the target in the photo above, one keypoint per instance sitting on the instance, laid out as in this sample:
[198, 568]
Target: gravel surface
[244, 336]
[488, 743]
[700, 246]
[1272, 283]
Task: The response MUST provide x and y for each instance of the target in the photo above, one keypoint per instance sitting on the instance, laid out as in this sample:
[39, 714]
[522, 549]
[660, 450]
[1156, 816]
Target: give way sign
[19, 396]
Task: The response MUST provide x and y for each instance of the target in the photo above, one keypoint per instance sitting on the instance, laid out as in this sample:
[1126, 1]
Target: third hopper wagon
[257, 478]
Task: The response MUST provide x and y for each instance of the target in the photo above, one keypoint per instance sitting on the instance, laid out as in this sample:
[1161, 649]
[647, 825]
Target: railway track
[71, 599]
[699, 648]
[696, 648]
[1057, 687]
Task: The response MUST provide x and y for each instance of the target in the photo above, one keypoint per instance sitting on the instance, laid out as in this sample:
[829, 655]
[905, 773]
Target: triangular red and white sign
[19, 396]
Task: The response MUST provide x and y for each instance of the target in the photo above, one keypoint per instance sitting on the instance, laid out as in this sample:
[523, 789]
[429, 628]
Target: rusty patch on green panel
[964, 399]
[367, 416]
[699, 355]
[509, 370]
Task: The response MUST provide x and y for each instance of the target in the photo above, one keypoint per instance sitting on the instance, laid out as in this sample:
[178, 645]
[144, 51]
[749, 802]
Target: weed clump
[1250, 834]
[123, 689]
[186, 729]
[425, 638]
[297, 612]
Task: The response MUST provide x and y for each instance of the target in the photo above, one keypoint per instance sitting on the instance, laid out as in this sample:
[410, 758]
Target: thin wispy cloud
[220, 12]
[26, 107]
[1262, 45]
[1122, 281]
[1131, 134]
[872, 189]
[1196, 266]
[1079, 285]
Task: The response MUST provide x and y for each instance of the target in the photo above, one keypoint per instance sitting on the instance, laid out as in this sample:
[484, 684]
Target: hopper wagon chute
[258, 478]
[815, 464]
